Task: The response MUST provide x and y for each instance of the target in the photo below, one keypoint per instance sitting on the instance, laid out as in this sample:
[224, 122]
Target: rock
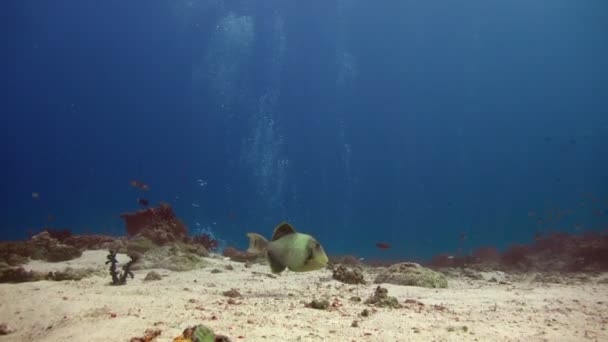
[232, 293]
[201, 333]
[348, 275]
[153, 275]
[240, 256]
[61, 252]
[174, 258]
[318, 304]
[197, 249]
[150, 335]
[5, 329]
[381, 299]
[19, 275]
[140, 245]
[71, 274]
[412, 274]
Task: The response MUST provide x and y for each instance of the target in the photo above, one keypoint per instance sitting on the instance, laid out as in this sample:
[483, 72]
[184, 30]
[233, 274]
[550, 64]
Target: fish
[383, 245]
[139, 185]
[143, 202]
[289, 249]
[35, 195]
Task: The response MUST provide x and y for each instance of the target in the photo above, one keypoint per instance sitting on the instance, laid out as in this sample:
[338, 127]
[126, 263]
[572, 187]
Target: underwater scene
[336, 170]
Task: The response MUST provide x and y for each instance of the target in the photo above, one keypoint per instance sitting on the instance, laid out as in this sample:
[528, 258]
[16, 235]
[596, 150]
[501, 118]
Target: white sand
[272, 309]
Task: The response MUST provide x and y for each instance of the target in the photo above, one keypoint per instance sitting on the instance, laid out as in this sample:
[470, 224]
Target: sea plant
[119, 278]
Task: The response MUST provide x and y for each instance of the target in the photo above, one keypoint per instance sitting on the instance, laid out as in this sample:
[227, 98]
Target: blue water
[407, 122]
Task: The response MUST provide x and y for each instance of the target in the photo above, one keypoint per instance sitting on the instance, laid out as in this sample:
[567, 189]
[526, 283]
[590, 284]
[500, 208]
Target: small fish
[463, 237]
[35, 195]
[143, 202]
[195, 205]
[139, 185]
[288, 249]
[383, 245]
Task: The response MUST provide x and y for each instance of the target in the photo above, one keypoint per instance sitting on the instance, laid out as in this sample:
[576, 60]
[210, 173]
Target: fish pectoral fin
[275, 265]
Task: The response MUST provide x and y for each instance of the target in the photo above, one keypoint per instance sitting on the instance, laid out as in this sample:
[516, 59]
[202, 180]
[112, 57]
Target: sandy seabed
[273, 308]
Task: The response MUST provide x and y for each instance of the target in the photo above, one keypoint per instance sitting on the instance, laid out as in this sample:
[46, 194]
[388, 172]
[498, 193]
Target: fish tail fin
[257, 243]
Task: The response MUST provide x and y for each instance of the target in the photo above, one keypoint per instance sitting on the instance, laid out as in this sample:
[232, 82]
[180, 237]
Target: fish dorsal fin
[281, 230]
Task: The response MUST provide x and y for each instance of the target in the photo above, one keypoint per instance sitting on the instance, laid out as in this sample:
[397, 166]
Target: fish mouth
[323, 260]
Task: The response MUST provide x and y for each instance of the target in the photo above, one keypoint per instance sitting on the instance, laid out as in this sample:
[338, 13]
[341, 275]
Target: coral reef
[412, 274]
[93, 242]
[557, 252]
[160, 224]
[60, 234]
[50, 249]
[119, 278]
[206, 240]
[348, 275]
[14, 253]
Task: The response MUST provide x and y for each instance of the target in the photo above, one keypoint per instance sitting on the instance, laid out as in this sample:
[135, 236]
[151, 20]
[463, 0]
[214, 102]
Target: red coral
[516, 256]
[206, 240]
[157, 224]
[486, 255]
